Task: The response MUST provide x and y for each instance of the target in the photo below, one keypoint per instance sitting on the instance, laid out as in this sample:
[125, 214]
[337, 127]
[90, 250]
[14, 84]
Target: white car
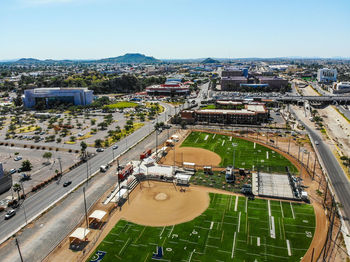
[17, 158]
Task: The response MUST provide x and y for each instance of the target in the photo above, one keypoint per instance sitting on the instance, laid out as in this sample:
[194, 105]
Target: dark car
[10, 214]
[114, 147]
[67, 183]
[100, 150]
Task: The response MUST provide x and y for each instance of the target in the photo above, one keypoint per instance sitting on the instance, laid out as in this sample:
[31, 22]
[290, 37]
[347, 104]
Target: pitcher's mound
[164, 205]
[161, 196]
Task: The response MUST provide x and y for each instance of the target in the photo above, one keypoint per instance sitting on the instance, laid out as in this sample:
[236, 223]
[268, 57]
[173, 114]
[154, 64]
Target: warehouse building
[51, 97]
[172, 87]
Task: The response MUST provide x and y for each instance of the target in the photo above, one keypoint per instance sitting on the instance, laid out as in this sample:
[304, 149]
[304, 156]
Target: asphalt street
[336, 174]
[38, 202]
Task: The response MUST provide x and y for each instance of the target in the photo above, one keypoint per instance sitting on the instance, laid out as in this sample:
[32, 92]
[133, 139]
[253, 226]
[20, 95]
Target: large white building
[342, 87]
[326, 75]
[51, 97]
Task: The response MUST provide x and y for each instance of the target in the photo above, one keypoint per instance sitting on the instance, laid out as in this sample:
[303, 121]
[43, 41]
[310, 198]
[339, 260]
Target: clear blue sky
[72, 29]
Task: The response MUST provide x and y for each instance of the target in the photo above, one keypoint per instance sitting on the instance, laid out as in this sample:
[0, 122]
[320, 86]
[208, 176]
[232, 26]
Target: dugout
[97, 218]
[79, 235]
[183, 179]
[188, 166]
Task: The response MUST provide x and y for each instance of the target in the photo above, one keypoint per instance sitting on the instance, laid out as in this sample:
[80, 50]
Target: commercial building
[274, 83]
[252, 114]
[326, 75]
[5, 180]
[232, 72]
[51, 97]
[232, 83]
[172, 87]
[341, 88]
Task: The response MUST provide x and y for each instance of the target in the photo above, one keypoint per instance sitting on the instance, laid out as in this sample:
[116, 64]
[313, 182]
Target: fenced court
[247, 154]
[233, 228]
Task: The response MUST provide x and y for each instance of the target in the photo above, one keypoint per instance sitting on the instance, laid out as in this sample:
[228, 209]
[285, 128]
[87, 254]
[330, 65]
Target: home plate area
[233, 228]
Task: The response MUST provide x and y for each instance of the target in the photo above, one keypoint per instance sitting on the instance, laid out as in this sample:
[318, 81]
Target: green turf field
[248, 155]
[232, 229]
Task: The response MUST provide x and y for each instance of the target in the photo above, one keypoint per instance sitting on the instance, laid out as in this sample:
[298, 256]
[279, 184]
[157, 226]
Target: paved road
[336, 174]
[36, 203]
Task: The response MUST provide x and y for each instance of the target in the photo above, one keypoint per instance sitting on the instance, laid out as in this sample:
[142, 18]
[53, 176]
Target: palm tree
[17, 188]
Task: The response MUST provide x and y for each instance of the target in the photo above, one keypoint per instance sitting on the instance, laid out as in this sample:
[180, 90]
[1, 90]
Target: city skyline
[76, 29]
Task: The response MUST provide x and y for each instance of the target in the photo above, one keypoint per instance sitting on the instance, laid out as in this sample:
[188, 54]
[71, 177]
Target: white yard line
[281, 209]
[124, 246]
[196, 140]
[171, 231]
[191, 255]
[246, 205]
[267, 154]
[206, 137]
[288, 247]
[236, 203]
[230, 138]
[239, 221]
[269, 207]
[211, 225]
[254, 145]
[291, 207]
[272, 227]
[214, 136]
[233, 245]
[258, 241]
[161, 233]
[223, 142]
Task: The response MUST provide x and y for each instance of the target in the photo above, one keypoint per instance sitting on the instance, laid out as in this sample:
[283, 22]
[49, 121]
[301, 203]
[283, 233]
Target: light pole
[59, 160]
[24, 210]
[87, 171]
[86, 217]
[19, 250]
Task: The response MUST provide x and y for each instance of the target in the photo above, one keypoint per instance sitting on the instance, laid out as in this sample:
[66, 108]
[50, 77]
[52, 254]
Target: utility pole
[59, 160]
[86, 217]
[19, 250]
[87, 172]
[24, 210]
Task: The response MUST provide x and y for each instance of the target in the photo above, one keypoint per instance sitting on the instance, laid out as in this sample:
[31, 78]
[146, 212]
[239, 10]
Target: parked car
[17, 158]
[100, 150]
[114, 147]
[10, 214]
[19, 170]
[65, 184]
[12, 171]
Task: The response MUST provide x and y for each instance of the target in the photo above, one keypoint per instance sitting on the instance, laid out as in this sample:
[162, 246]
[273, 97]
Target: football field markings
[171, 231]
[272, 227]
[206, 138]
[291, 207]
[223, 142]
[254, 145]
[211, 225]
[269, 207]
[288, 247]
[233, 245]
[239, 221]
[236, 203]
[161, 233]
[258, 241]
[281, 209]
[214, 136]
[267, 154]
[246, 204]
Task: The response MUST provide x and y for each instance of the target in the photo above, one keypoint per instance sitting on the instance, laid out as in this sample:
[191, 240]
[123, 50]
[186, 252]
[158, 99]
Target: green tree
[17, 188]
[26, 165]
[47, 155]
[98, 143]
[83, 147]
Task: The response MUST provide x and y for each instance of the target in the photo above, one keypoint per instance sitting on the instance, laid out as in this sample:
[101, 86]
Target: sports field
[248, 155]
[232, 229]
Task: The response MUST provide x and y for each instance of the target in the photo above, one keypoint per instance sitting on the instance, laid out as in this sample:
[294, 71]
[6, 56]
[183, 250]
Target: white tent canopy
[80, 233]
[98, 215]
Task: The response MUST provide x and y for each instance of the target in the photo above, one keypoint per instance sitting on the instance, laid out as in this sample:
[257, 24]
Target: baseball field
[233, 228]
[247, 154]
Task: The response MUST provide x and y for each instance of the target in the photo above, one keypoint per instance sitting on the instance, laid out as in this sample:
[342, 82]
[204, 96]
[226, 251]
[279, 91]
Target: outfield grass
[120, 105]
[248, 155]
[232, 229]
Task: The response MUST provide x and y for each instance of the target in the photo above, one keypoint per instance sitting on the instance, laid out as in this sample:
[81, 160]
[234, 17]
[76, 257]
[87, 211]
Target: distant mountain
[28, 61]
[210, 61]
[130, 59]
